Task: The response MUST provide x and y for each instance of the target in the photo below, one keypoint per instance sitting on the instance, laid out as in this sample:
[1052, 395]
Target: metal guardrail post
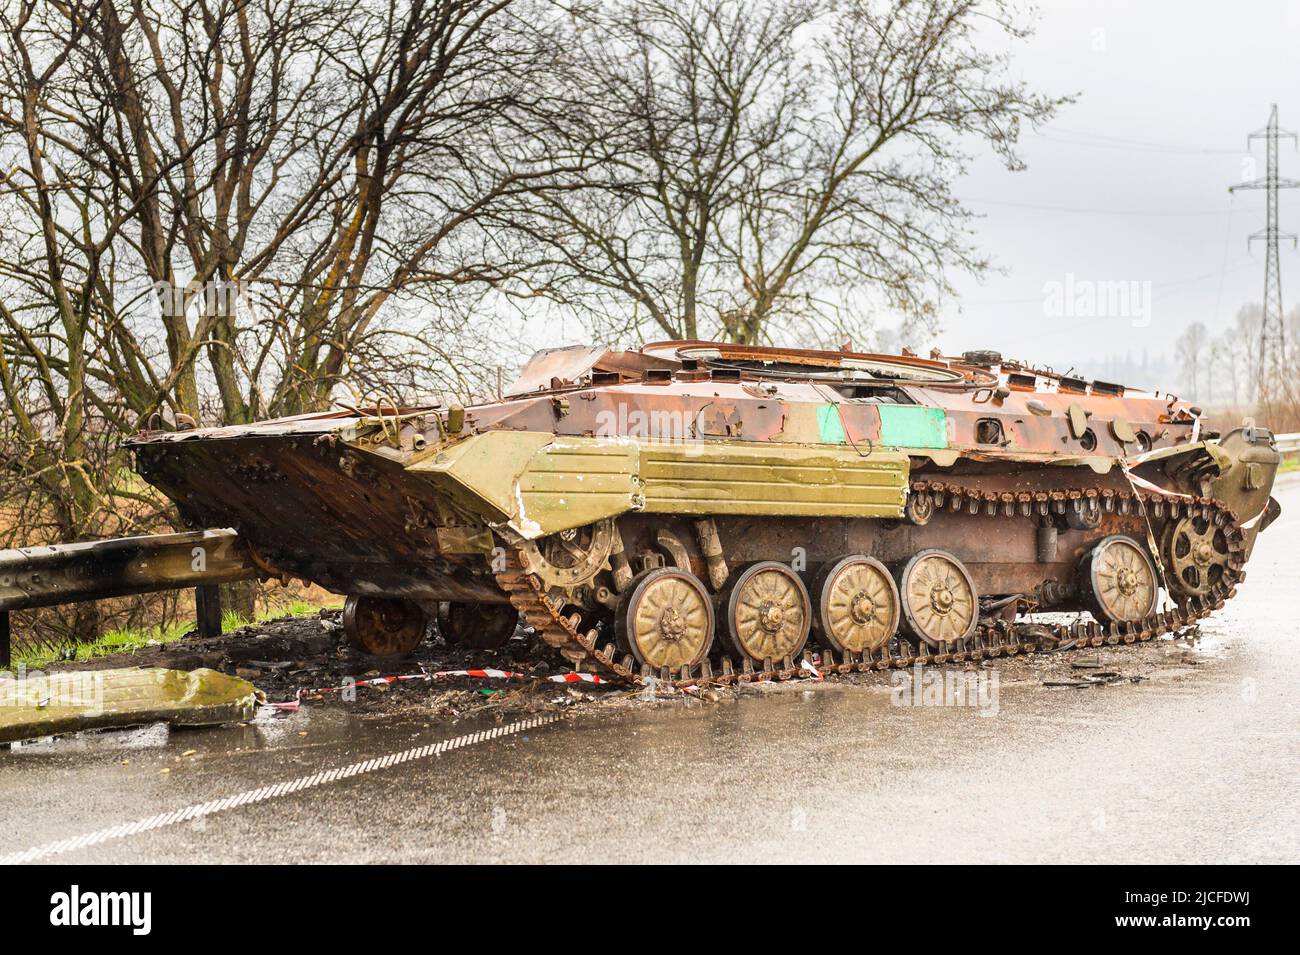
[95, 570]
[1287, 443]
[207, 610]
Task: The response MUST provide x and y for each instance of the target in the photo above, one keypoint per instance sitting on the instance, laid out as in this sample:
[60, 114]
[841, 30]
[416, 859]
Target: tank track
[991, 640]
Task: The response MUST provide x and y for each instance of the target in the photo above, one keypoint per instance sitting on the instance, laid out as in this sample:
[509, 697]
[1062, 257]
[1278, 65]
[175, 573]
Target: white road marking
[163, 819]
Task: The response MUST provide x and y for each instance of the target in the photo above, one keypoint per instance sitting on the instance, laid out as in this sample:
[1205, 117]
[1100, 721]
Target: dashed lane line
[124, 830]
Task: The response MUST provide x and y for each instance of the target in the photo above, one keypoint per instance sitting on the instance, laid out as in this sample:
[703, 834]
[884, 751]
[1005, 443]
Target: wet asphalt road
[1197, 764]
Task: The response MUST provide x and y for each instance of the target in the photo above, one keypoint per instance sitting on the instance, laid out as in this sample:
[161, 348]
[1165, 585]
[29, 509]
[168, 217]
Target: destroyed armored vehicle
[699, 510]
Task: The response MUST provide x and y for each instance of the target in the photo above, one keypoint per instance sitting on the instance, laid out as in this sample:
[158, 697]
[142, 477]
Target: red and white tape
[481, 674]
[1138, 481]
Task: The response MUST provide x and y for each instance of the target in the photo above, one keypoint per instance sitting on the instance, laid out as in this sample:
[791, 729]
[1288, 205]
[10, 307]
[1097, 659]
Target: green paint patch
[908, 426]
[829, 425]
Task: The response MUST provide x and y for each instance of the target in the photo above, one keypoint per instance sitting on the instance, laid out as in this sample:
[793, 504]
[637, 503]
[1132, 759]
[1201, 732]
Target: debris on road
[307, 660]
[302, 660]
[383, 682]
[1100, 678]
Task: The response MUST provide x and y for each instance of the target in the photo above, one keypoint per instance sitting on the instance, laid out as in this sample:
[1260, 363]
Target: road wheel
[1121, 580]
[938, 597]
[383, 626]
[477, 626]
[857, 604]
[665, 619]
[768, 612]
[1196, 554]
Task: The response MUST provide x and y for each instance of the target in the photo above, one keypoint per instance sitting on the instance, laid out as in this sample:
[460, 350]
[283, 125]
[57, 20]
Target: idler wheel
[1196, 555]
[573, 557]
[769, 612]
[857, 604]
[1084, 515]
[919, 508]
[665, 619]
[1121, 580]
[939, 600]
[477, 626]
[383, 626]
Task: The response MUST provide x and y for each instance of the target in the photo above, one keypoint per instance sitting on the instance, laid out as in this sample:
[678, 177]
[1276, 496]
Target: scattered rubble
[295, 658]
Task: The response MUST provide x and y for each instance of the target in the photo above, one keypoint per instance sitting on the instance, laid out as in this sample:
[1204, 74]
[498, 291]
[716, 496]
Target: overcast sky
[1131, 182]
[1128, 184]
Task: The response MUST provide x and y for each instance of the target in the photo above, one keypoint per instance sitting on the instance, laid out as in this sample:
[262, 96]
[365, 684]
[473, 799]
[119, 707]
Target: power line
[1108, 142]
[1088, 210]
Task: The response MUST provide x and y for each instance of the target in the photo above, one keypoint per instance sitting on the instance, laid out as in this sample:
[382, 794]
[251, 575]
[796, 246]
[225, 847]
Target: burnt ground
[295, 657]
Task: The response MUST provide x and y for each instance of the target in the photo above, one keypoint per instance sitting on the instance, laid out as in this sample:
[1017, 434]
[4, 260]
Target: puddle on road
[270, 730]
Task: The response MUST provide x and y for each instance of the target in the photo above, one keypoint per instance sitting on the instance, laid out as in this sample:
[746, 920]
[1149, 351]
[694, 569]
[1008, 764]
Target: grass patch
[1289, 463]
[129, 640]
[298, 608]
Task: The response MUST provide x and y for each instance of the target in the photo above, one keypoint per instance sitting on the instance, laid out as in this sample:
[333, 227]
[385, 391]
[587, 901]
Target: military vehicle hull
[705, 511]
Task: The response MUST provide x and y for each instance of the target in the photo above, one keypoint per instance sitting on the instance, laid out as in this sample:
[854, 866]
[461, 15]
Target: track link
[992, 639]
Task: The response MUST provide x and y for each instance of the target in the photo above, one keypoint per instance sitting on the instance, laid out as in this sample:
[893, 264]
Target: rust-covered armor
[699, 511]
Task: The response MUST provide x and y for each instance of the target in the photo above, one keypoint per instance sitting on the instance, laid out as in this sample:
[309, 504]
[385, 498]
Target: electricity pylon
[1272, 332]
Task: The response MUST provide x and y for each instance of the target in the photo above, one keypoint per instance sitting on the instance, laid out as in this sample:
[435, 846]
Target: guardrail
[1288, 443]
[94, 570]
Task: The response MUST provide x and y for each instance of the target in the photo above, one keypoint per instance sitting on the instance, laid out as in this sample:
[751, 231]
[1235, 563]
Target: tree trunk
[86, 621]
[240, 598]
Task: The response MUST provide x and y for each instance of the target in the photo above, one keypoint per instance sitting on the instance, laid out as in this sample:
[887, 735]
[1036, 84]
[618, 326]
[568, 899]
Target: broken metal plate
[34, 705]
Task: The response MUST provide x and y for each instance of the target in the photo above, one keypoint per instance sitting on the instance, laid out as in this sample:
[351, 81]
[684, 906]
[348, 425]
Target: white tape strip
[164, 819]
[1146, 485]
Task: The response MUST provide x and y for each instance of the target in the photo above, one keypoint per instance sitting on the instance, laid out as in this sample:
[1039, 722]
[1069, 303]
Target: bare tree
[1284, 414]
[231, 208]
[319, 160]
[61, 297]
[1190, 349]
[1225, 359]
[1245, 332]
[781, 163]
